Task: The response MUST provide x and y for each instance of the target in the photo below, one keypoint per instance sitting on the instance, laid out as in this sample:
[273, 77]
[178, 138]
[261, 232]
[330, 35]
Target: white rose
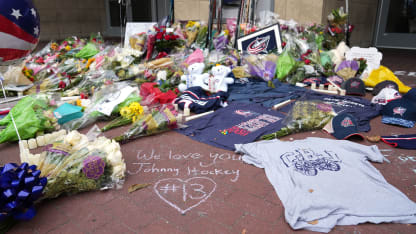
[115, 158]
[119, 171]
[73, 138]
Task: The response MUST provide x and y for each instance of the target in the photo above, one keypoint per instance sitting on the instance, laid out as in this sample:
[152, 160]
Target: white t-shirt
[323, 183]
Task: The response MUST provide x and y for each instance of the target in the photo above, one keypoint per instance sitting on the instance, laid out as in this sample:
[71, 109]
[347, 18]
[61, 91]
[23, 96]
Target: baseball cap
[343, 126]
[354, 86]
[385, 96]
[401, 111]
[384, 84]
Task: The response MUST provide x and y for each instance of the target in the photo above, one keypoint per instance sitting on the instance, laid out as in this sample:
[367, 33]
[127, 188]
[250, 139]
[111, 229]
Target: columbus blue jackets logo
[347, 122]
[355, 84]
[245, 113]
[259, 45]
[399, 110]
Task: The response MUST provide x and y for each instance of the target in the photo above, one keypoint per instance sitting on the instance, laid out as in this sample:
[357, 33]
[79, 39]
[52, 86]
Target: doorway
[396, 24]
[119, 12]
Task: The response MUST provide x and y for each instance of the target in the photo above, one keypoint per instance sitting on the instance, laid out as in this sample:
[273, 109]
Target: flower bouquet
[73, 164]
[166, 41]
[156, 120]
[262, 66]
[337, 28]
[138, 42]
[105, 104]
[33, 115]
[128, 114]
[191, 30]
[304, 116]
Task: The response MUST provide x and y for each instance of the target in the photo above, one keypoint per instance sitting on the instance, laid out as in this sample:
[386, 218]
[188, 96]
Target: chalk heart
[184, 195]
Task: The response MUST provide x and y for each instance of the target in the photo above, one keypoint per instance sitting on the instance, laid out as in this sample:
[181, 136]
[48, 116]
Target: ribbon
[20, 187]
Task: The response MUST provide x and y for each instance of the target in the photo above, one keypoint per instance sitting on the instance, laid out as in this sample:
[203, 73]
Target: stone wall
[63, 18]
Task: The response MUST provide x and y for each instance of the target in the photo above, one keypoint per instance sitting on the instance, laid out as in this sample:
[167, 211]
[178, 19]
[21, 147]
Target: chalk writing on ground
[184, 195]
[147, 163]
[407, 158]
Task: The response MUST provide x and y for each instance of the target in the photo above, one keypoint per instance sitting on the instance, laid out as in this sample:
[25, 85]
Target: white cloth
[323, 183]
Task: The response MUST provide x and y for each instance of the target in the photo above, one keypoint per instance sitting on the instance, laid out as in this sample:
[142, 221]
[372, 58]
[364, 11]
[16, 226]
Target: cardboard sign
[372, 55]
[134, 28]
[261, 41]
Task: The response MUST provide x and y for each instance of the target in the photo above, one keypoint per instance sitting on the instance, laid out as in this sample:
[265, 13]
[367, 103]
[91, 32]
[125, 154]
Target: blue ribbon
[20, 186]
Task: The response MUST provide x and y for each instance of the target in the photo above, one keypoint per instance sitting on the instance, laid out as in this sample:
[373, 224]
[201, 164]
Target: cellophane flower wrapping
[262, 66]
[155, 120]
[191, 30]
[304, 116]
[33, 115]
[99, 102]
[76, 164]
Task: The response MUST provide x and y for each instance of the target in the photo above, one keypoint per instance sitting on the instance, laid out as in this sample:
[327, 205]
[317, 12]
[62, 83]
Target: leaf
[373, 139]
[314, 222]
[136, 187]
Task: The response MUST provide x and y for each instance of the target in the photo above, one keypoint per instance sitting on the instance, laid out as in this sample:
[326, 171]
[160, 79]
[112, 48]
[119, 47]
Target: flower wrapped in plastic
[75, 164]
[128, 115]
[156, 120]
[138, 42]
[262, 66]
[105, 105]
[221, 40]
[304, 116]
[33, 115]
[191, 30]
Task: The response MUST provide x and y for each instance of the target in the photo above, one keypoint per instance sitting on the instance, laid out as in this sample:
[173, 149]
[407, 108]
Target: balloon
[19, 30]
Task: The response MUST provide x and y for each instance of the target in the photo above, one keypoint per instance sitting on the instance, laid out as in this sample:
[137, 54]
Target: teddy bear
[194, 77]
[218, 81]
[338, 54]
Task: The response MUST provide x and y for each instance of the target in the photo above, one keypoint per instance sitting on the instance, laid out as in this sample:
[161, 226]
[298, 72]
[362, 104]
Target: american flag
[19, 29]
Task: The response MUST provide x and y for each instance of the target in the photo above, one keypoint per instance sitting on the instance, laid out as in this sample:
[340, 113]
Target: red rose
[283, 44]
[309, 51]
[167, 37]
[159, 36]
[307, 61]
[61, 84]
[338, 30]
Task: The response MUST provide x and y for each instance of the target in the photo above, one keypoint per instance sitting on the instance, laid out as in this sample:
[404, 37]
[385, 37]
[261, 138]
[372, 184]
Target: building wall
[63, 18]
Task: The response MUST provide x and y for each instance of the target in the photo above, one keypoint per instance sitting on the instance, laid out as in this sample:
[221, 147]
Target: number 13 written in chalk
[193, 191]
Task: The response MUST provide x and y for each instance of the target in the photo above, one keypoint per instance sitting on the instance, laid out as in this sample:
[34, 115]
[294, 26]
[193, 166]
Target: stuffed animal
[218, 81]
[194, 77]
[338, 54]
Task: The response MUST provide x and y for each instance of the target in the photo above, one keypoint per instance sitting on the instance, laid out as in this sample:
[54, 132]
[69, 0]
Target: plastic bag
[382, 74]
[304, 116]
[32, 115]
[267, 18]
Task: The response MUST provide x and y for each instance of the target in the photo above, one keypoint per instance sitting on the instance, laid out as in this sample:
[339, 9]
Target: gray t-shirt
[323, 183]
